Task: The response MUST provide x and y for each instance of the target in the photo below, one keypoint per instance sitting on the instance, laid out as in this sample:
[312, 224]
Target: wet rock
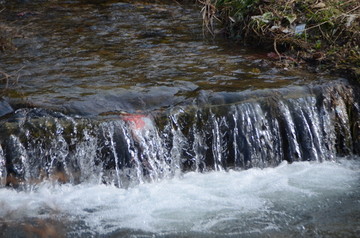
[5, 108]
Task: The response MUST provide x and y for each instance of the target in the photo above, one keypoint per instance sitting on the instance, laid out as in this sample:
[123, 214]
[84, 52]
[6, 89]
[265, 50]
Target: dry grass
[208, 15]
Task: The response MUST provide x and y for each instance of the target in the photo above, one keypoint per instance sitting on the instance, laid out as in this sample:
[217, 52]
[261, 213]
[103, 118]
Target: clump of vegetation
[325, 33]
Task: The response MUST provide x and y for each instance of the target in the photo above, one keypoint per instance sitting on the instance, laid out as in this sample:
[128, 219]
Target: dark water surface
[207, 105]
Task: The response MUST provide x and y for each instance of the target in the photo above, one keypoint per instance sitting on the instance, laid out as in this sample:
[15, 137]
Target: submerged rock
[5, 108]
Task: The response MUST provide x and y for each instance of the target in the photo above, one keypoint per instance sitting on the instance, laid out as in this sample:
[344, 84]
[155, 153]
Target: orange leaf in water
[136, 121]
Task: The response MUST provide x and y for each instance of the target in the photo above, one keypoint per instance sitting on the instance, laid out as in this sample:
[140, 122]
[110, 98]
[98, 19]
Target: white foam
[192, 202]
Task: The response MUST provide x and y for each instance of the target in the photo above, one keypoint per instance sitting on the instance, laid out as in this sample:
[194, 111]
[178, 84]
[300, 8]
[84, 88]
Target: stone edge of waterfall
[221, 132]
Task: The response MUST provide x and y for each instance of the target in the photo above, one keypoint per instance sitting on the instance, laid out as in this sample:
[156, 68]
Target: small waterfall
[240, 131]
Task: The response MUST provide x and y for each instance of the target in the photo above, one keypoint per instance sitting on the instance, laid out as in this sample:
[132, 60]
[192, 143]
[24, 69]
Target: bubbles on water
[253, 201]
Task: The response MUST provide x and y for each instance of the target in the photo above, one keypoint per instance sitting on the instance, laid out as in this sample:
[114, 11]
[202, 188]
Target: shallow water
[92, 58]
[299, 199]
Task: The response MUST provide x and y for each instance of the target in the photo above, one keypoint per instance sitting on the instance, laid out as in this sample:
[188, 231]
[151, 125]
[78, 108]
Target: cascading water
[121, 120]
[313, 123]
[95, 158]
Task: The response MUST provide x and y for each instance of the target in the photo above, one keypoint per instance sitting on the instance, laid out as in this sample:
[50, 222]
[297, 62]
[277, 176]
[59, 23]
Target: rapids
[299, 199]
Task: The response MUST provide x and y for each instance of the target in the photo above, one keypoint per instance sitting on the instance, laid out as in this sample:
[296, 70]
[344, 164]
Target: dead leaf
[319, 56]
[319, 5]
[350, 19]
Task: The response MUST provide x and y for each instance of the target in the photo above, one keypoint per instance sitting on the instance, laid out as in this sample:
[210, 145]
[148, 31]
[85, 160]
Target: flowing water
[298, 200]
[121, 120]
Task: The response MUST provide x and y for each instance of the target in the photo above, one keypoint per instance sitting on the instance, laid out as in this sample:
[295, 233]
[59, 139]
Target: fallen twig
[275, 49]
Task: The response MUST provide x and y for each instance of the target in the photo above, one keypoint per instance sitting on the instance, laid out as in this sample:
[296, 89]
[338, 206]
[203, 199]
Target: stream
[121, 120]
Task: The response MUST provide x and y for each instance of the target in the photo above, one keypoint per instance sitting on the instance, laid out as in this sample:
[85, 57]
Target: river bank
[322, 36]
